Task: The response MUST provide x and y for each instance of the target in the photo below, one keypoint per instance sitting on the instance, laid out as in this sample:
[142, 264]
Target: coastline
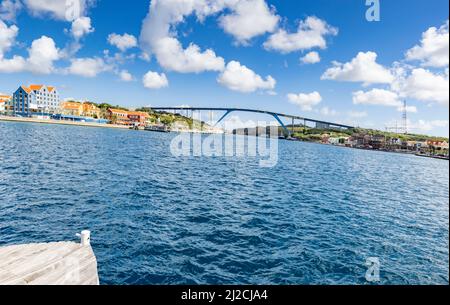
[84, 124]
[56, 122]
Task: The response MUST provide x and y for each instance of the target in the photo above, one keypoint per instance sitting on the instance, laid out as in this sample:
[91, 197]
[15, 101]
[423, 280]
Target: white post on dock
[85, 237]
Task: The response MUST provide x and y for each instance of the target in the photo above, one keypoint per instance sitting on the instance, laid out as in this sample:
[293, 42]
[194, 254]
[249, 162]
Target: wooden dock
[58, 263]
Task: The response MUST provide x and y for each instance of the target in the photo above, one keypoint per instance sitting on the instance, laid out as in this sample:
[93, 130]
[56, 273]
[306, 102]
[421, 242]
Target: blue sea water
[158, 219]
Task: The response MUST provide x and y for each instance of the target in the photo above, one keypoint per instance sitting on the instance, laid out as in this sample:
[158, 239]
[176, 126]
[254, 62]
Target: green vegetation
[169, 119]
[315, 134]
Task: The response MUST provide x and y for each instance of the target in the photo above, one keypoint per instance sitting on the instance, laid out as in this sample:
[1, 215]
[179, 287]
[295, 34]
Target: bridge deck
[250, 110]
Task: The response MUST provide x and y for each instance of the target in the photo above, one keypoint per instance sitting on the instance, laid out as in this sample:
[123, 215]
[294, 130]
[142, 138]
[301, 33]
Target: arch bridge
[277, 116]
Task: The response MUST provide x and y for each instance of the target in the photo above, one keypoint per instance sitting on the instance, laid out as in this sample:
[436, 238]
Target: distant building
[91, 110]
[47, 98]
[377, 141]
[4, 102]
[35, 99]
[138, 118]
[24, 101]
[438, 147]
[118, 116]
[71, 108]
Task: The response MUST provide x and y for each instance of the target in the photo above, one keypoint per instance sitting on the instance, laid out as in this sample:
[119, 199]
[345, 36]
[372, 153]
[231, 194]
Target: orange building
[72, 108]
[138, 118]
[90, 110]
[118, 116]
[4, 102]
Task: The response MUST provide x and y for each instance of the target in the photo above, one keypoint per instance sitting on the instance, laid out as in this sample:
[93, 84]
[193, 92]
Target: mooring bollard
[85, 237]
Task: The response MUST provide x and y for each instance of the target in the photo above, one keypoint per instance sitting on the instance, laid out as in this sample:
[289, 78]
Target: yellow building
[90, 110]
[72, 108]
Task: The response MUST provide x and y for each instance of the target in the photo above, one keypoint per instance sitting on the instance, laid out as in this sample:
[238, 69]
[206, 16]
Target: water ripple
[156, 219]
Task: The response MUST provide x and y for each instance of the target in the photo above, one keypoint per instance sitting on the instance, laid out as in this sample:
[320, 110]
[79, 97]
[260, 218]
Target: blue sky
[248, 54]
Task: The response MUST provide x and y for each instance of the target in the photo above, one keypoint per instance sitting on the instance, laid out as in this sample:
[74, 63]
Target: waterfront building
[438, 147]
[91, 110]
[138, 118]
[24, 101]
[118, 116]
[47, 98]
[4, 103]
[71, 108]
[35, 99]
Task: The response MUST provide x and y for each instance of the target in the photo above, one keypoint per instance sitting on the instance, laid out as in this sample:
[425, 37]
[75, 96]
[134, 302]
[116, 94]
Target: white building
[47, 98]
[34, 99]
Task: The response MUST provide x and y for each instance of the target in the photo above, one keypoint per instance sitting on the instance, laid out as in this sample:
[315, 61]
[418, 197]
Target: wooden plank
[62, 263]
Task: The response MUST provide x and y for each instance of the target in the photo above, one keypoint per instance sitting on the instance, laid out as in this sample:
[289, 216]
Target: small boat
[156, 128]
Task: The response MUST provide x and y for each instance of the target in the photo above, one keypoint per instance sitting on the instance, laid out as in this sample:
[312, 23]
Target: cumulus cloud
[59, 9]
[154, 80]
[310, 34]
[377, 97]
[171, 56]
[41, 57]
[363, 68]
[306, 101]
[88, 67]
[433, 49]
[81, 27]
[238, 77]
[9, 9]
[122, 42]
[249, 18]
[311, 58]
[158, 36]
[8, 36]
[422, 85]
[42, 54]
[125, 76]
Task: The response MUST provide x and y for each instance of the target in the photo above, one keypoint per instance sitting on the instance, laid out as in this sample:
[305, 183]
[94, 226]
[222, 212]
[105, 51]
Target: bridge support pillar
[286, 131]
[223, 117]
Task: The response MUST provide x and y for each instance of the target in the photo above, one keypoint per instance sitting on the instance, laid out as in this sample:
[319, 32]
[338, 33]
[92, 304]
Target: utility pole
[405, 117]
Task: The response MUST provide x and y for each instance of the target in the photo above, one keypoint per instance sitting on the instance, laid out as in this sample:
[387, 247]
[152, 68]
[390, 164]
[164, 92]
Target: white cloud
[41, 56]
[306, 101]
[7, 37]
[81, 27]
[362, 68]
[249, 18]
[311, 58]
[433, 49]
[13, 65]
[311, 34]
[422, 85]
[240, 78]
[9, 9]
[59, 9]
[158, 36]
[88, 67]
[122, 42]
[126, 76]
[153, 80]
[377, 97]
[171, 56]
